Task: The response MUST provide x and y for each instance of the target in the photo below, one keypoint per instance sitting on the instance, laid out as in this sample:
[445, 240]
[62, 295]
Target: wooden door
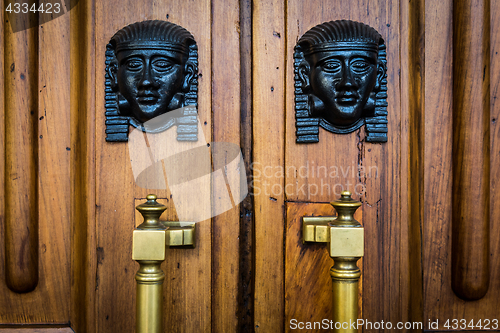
[428, 195]
[429, 207]
[67, 226]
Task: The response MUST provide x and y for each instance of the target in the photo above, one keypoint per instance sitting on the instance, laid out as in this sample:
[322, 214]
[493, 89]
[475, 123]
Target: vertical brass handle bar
[148, 249]
[346, 247]
[345, 277]
[149, 304]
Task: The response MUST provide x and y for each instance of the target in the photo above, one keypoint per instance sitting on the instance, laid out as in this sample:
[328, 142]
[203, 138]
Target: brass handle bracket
[180, 234]
[315, 229]
[344, 235]
[149, 246]
[345, 239]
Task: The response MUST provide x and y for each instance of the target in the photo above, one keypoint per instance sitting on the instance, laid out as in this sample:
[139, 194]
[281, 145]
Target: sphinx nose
[147, 79]
[347, 79]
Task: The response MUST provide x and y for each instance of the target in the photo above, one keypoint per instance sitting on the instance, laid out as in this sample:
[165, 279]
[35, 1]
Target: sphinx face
[343, 81]
[148, 79]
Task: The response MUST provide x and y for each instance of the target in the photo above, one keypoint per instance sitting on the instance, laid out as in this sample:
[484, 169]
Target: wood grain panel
[471, 149]
[226, 128]
[268, 25]
[49, 80]
[83, 232]
[440, 301]
[21, 206]
[332, 164]
[187, 286]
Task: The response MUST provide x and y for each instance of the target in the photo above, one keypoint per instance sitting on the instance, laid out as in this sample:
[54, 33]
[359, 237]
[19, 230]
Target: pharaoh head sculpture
[340, 81]
[151, 69]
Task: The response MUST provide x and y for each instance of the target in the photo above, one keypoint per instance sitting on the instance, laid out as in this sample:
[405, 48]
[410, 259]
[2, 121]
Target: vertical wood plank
[438, 152]
[471, 149]
[268, 27]
[83, 228]
[495, 149]
[412, 159]
[226, 128]
[2, 145]
[54, 163]
[246, 282]
[21, 206]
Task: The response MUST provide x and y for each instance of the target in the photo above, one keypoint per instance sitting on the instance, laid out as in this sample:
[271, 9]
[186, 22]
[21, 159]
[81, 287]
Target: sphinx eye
[332, 66]
[134, 64]
[162, 64]
[361, 66]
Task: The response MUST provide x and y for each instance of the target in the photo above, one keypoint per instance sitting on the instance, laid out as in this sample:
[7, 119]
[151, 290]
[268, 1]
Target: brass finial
[345, 207]
[151, 211]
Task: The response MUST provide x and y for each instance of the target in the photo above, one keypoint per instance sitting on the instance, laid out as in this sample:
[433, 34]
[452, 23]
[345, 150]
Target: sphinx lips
[346, 98]
[147, 98]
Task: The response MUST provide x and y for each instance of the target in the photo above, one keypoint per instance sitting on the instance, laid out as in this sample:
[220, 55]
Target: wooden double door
[429, 195]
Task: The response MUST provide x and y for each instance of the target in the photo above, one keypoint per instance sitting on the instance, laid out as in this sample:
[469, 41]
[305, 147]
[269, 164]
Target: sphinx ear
[381, 74]
[303, 73]
[112, 70]
[316, 107]
[189, 74]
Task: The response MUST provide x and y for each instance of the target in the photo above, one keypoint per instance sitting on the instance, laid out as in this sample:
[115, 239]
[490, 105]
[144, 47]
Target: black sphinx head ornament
[340, 81]
[151, 69]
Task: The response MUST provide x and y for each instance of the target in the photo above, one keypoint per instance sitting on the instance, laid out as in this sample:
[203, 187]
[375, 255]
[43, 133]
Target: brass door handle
[345, 238]
[149, 245]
